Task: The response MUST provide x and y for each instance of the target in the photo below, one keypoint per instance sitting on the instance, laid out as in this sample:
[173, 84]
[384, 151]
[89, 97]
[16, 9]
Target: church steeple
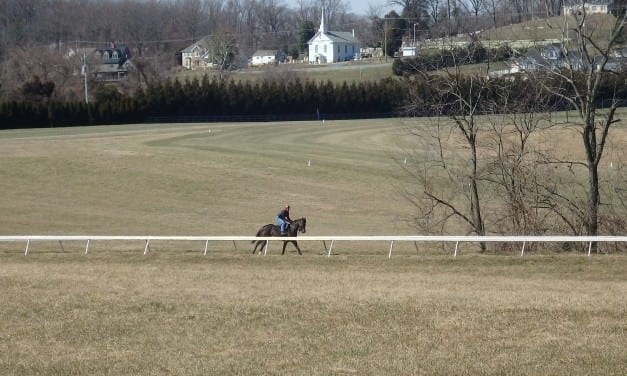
[323, 25]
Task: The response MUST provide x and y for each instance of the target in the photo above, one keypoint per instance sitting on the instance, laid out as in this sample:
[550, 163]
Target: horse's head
[302, 223]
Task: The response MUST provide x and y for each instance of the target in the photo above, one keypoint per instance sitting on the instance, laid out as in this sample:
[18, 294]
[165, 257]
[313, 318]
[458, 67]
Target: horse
[292, 230]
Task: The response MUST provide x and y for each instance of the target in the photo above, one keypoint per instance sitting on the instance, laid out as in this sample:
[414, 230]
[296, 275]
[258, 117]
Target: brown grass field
[174, 311]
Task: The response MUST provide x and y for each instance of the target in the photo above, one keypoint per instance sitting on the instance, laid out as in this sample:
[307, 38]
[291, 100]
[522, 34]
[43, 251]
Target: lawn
[175, 311]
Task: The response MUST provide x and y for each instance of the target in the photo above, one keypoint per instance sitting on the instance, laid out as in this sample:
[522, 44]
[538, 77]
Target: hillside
[540, 30]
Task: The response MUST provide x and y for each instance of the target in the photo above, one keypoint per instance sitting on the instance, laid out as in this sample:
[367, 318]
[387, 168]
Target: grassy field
[354, 71]
[175, 311]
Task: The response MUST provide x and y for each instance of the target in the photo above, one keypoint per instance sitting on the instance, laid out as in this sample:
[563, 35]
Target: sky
[361, 6]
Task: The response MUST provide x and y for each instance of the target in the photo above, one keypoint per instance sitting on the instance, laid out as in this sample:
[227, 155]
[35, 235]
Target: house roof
[551, 56]
[123, 54]
[265, 53]
[121, 49]
[202, 43]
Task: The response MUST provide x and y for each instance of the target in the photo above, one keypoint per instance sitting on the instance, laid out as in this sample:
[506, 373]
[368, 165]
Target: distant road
[331, 67]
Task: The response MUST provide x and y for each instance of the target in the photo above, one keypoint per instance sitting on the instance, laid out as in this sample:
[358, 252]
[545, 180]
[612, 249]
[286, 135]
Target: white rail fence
[523, 240]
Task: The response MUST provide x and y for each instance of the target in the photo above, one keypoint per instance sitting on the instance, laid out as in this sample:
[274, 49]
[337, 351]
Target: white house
[332, 46]
[409, 51]
[590, 8]
[263, 57]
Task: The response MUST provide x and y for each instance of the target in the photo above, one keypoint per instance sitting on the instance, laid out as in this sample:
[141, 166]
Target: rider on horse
[283, 218]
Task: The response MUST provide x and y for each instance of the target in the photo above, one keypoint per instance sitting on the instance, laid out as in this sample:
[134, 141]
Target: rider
[284, 217]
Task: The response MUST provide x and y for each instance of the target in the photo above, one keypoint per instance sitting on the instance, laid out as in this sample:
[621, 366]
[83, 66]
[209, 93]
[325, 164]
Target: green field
[354, 71]
[175, 311]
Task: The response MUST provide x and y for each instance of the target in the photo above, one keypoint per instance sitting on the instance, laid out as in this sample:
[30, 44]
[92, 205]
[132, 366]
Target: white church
[332, 46]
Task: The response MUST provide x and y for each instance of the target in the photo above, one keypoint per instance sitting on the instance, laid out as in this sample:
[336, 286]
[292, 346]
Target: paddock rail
[590, 240]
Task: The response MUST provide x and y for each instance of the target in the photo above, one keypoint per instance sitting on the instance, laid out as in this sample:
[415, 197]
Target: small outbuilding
[265, 57]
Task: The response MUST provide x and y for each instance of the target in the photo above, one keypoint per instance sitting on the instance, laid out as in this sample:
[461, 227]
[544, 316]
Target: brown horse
[292, 230]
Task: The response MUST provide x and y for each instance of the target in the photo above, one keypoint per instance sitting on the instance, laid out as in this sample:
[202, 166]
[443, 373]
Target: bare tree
[223, 53]
[304, 11]
[474, 7]
[461, 99]
[587, 65]
[434, 9]
[492, 7]
[519, 123]
[334, 10]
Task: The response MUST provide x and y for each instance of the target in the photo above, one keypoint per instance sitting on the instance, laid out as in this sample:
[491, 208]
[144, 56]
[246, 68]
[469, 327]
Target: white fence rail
[411, 238]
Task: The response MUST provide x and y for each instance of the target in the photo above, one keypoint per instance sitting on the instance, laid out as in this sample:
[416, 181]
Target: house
[589, 8]
[332, 46]
[195, 55]
[264, 57]
[545, 58]
[111, 63]
[409, 50]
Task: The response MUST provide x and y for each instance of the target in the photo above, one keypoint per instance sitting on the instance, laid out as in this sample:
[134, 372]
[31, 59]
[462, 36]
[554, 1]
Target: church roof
[337, 37]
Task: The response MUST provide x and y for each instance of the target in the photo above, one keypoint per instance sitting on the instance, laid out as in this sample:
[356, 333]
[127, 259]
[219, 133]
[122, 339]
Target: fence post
[522, 252]
[87, 247]
[391, 245]
[456, 244]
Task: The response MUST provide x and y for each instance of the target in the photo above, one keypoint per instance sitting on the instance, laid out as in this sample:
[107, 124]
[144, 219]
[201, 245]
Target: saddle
[287, 227]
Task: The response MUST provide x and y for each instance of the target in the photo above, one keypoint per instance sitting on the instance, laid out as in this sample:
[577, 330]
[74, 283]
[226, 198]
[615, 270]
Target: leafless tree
[223, 52]
[587, 55]
[434, 9]
[474, 7]
[493, 7]
[334, 10]
[519, 125]
[461, 99]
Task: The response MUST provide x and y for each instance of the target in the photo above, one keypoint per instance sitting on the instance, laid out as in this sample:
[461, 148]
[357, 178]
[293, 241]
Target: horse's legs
[295, 245]
[259, 242]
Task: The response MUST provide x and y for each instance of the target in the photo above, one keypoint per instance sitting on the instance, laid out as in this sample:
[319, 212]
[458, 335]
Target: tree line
[48, 38]
[207, 98]
[210, 98]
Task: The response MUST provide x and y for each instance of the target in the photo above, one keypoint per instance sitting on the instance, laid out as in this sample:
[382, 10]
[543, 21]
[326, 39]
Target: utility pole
[385, 39]
[84, 71]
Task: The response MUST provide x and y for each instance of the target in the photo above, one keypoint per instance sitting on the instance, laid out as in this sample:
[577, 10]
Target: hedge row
[205, 99]
[212, 99]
